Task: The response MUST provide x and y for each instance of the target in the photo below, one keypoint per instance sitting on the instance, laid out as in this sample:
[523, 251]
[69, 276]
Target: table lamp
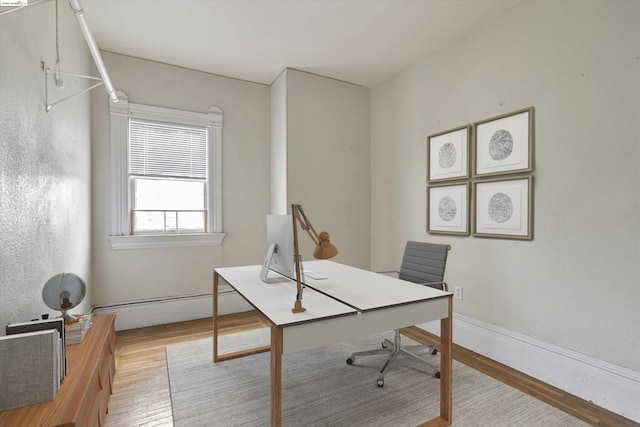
[324, 249]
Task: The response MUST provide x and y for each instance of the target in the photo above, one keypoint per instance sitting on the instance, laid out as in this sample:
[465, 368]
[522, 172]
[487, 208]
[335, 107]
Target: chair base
[393, 349]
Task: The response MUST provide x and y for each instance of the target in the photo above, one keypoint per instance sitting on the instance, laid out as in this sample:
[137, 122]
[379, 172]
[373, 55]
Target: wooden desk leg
[276, 376]
[446, 377]
[215, 316]
[217, 357]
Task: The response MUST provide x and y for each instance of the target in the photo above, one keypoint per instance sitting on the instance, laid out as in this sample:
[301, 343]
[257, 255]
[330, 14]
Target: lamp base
[297, 307]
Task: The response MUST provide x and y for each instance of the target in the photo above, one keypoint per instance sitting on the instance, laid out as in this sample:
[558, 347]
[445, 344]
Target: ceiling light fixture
[93, 48]
[57, 77]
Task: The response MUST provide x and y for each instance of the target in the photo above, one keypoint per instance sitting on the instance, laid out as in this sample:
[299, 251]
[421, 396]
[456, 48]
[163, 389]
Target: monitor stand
[264, 272]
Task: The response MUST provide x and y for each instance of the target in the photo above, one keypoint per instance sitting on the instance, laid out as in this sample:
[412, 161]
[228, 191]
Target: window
[166, 176]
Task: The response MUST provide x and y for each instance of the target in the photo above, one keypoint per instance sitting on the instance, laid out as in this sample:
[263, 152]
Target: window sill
[165, 241]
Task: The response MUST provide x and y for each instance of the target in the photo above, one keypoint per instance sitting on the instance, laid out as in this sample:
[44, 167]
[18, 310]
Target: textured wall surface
[44, 163]
[576, 284]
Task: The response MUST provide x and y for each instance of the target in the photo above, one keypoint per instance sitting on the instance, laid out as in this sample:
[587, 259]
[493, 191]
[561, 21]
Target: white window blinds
[167, 150]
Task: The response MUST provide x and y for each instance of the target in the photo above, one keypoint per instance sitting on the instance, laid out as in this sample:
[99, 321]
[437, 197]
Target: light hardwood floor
[141, 386]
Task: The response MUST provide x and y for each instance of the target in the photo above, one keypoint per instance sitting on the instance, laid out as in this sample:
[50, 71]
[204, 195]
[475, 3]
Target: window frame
[120, 112]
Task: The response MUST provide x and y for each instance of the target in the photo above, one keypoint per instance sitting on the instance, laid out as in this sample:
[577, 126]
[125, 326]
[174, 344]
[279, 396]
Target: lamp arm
[314, 236]
[305, 224]
[324, 249]
[297, 307]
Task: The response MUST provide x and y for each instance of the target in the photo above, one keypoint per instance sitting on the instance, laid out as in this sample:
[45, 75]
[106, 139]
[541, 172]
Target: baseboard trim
[139, 314]
[609, 386]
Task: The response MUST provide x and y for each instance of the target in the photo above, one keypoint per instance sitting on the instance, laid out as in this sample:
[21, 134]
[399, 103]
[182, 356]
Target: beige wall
[128, 275]
[576, 284]
[319, 125]
[44, 162]
[328, 161]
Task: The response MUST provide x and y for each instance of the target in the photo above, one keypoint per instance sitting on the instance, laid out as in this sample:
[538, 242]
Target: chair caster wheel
[350, 361]
[437, 375]
[434, 351]
[384, 344]
[380, 382]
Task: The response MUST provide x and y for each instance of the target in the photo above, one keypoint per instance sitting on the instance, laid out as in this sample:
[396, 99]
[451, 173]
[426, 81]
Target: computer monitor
[280, 252]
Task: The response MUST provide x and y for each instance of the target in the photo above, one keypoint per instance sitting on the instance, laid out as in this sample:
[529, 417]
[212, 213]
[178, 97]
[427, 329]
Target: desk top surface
[275, 299]
[366, 290]
[344, 291]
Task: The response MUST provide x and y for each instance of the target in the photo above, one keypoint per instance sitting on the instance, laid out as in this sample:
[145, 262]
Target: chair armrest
[388, 272]
[430, 284]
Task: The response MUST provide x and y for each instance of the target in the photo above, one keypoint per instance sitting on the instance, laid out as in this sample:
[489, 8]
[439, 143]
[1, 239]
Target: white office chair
[422, 263]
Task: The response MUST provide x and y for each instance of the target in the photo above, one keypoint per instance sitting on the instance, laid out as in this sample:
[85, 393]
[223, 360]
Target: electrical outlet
[457, 292]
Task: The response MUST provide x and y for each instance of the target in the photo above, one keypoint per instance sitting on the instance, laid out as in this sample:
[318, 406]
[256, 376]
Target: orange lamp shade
[325, 249]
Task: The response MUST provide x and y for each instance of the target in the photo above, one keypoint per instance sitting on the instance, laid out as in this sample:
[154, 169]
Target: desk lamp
[324, 249]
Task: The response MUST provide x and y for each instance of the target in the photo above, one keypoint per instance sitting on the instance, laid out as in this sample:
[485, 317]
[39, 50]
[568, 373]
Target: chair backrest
[424, 263]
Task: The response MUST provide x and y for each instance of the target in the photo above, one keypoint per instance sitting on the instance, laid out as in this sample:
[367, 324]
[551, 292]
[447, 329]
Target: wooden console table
[84, 394]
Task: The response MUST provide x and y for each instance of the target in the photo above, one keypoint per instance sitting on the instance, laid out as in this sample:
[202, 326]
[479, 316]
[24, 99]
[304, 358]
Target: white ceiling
[358, 41]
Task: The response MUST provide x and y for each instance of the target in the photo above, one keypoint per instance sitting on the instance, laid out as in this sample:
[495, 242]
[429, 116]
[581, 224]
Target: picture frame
[504, 144]
[503, 208]
[448, 154]
[448, 209]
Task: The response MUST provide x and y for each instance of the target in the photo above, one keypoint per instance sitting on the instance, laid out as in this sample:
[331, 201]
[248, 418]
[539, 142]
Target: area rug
[320, 389]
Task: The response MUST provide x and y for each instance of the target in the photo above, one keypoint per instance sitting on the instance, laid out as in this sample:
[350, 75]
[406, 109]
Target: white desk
[349, 303]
